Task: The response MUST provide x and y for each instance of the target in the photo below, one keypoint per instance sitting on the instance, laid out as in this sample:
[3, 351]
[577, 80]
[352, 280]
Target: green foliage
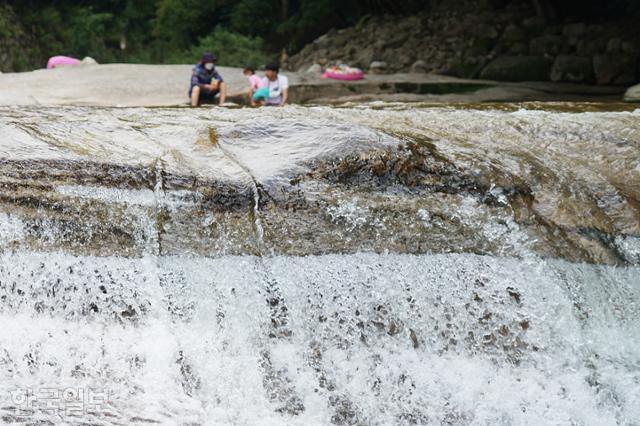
[91, 34]
[179, 22]
[232, 49]
[159, 31]
[6, 21]
[255, 17]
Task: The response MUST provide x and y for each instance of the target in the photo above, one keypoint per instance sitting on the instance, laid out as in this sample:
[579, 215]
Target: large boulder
[519, 48]
[633, 94]
[574, 30]
[548, 45]
[616, 69]
[378, 67]
[534, 24]
[88, 60]
[419, 67]
[363, 57]
[614, 45]
[572, 69]
[514, 34]
[314, 69]
[574, 33]
[517, 68]
[629, 47]
[591, 47]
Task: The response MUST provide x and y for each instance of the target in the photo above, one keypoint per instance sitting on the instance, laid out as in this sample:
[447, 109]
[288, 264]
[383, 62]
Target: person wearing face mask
[206, 82]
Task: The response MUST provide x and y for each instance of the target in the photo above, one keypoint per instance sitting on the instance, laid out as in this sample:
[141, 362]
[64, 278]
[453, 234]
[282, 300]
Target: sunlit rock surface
[379, 264]
[633, 94]
[300, 181]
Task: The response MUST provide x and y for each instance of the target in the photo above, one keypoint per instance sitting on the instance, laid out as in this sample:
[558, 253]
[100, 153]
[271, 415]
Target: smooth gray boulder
[633, 94]
[88, 60]
[314, 69]
[378, 67]
[419, 67]
[517, 68]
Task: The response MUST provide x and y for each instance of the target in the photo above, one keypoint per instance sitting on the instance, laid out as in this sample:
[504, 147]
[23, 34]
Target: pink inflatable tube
[62, 61]
[356, 75]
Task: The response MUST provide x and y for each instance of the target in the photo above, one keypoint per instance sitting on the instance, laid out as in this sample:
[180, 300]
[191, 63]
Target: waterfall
[389, 264]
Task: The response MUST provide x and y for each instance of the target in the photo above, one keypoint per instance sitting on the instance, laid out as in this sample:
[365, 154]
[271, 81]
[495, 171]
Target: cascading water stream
[359, 265]
[253, 186]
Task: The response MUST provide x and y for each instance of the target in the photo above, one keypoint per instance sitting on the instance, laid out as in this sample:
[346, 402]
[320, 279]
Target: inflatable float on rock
[343, 72]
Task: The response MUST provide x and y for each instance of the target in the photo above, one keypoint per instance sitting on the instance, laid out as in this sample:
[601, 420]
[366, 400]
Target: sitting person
[274, 88]
[206, 82]
[254, 82]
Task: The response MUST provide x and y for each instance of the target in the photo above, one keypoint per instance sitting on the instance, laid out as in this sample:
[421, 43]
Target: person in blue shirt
[206, 82]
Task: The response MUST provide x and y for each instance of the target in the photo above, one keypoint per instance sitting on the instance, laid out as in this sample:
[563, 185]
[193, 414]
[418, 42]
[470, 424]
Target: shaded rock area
[517, 68]
[481, 39]
[572, 69]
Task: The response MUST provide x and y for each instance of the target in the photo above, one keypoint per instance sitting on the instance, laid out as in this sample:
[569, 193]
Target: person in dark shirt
[206, 82]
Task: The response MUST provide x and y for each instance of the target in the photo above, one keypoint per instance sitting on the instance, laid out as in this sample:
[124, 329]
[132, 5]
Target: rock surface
[572, 69]
[378, 67]
[633, 94]
[419, 67]
[462, 40]
[620, 69]
[310, 181]
[127, 85]
[517, 68]
[314, 69]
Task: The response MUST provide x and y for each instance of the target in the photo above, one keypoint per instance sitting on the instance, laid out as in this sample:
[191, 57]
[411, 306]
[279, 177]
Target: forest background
[240, 32]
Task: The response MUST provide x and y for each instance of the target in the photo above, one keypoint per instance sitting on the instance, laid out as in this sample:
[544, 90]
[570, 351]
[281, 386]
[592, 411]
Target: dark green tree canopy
[240, 31]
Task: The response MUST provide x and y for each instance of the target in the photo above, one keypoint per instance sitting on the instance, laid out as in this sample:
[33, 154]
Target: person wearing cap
[206, 82]
[274, 88]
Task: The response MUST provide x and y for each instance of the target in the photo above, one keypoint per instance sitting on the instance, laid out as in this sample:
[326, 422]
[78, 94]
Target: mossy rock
[517, 68]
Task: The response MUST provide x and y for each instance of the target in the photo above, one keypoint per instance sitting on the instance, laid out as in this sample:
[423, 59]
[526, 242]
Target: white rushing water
[179, 266]
[374, 339]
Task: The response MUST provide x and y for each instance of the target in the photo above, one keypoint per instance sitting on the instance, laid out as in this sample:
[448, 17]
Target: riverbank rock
[572, 69]
[517, 68]
[88, 60]
[574, 30]
[591, 47]
[460, 40]
[314, 69]
[629, 47]
[378, 67]
[547, 45]
[616, 70]
[633, 94]
[419, 67]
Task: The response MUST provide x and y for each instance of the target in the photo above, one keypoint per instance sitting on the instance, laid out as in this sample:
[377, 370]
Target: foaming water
[379, 264]
[349, 339]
